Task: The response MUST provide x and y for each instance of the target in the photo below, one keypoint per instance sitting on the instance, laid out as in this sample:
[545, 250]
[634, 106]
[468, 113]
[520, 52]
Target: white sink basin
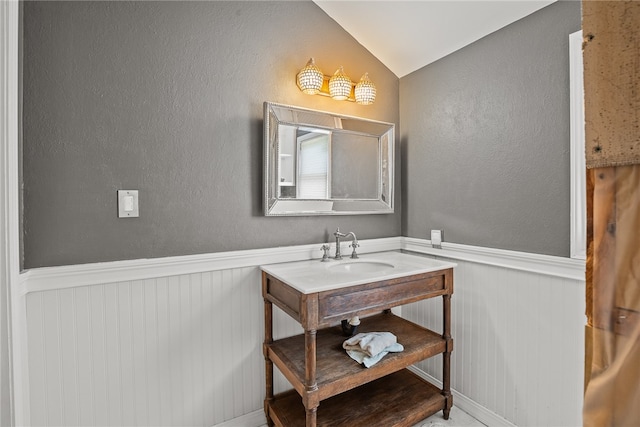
[357, 267]
[315, 276]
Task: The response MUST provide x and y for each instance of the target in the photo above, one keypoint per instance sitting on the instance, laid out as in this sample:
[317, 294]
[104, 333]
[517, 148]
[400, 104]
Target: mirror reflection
[319, 163]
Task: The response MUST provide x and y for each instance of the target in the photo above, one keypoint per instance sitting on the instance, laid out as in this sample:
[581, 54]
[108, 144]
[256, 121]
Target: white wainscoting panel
[177, 344]
[180, 350]
[518, 343]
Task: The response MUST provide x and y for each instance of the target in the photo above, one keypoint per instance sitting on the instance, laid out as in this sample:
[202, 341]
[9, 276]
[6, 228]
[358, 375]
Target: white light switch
[436, 238]
[128, 204]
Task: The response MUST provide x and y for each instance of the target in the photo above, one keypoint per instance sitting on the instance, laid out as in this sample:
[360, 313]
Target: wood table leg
[268, 364]
[446, 356]
[311, 417]
[311, 385]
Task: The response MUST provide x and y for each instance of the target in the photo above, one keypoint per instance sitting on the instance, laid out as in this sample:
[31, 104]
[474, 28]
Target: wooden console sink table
[331, 389]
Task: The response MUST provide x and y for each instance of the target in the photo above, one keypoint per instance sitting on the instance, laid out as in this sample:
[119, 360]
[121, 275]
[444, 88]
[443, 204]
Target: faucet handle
[325, 256]
[354, 245]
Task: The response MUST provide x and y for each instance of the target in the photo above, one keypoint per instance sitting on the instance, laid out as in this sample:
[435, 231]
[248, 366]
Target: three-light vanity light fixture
[339, 86]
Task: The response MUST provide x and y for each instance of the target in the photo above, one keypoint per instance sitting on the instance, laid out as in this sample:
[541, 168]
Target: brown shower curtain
[612, 113]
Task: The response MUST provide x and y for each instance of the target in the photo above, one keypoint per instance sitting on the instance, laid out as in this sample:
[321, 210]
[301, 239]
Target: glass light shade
[340, 85]
[310, 78]
[365, 91]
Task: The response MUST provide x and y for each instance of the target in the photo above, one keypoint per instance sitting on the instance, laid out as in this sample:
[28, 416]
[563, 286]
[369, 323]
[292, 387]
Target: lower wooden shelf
[400, 399]
[336, 372]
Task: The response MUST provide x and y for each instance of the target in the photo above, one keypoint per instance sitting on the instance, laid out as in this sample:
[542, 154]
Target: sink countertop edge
[299, 274]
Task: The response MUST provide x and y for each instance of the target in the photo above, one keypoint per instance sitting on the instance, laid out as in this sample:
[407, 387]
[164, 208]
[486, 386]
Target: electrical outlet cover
[436, 238]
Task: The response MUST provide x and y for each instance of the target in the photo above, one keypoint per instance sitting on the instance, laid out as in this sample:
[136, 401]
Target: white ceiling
[407, 35]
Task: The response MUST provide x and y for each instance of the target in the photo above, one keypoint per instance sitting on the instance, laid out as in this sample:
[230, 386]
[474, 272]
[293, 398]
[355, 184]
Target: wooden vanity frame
[387, 394]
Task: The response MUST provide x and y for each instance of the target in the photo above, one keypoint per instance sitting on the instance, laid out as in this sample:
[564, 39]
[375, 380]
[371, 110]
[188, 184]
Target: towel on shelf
[369, 361]
[370, 343]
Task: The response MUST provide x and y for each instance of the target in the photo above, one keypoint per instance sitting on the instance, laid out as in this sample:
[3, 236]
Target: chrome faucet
[354, 243]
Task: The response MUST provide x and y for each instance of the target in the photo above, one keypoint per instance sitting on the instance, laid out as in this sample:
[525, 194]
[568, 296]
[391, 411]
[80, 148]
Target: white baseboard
[469, 406]
[252, 419]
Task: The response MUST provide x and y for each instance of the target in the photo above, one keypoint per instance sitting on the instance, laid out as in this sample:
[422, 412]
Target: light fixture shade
[310, 78]
[340, 85]
[365, 91]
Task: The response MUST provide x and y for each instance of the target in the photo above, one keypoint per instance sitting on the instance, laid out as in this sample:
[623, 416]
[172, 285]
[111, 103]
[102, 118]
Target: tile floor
[457, 418]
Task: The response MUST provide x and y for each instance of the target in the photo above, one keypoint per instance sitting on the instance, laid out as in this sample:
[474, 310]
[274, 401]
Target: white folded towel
[370, 343]
[367, 361]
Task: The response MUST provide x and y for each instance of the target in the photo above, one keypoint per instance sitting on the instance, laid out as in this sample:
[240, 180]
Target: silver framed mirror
[321, 163]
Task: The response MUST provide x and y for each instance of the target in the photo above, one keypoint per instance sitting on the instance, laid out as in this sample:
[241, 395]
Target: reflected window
[313, 165]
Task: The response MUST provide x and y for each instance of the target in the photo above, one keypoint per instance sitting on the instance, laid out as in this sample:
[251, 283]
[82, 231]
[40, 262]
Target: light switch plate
[128, 204]
[436, 238]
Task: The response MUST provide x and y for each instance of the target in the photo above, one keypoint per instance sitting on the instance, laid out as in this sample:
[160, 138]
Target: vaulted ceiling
[407, 35]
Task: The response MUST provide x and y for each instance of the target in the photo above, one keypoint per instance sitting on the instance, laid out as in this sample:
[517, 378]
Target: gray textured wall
[166, 98]
[485, 136]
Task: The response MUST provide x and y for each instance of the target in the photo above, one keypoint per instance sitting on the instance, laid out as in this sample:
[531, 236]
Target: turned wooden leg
[446, 391]
[268, 339]
[311, 417]
[310, 360]
[446, 356]
[310, 401]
